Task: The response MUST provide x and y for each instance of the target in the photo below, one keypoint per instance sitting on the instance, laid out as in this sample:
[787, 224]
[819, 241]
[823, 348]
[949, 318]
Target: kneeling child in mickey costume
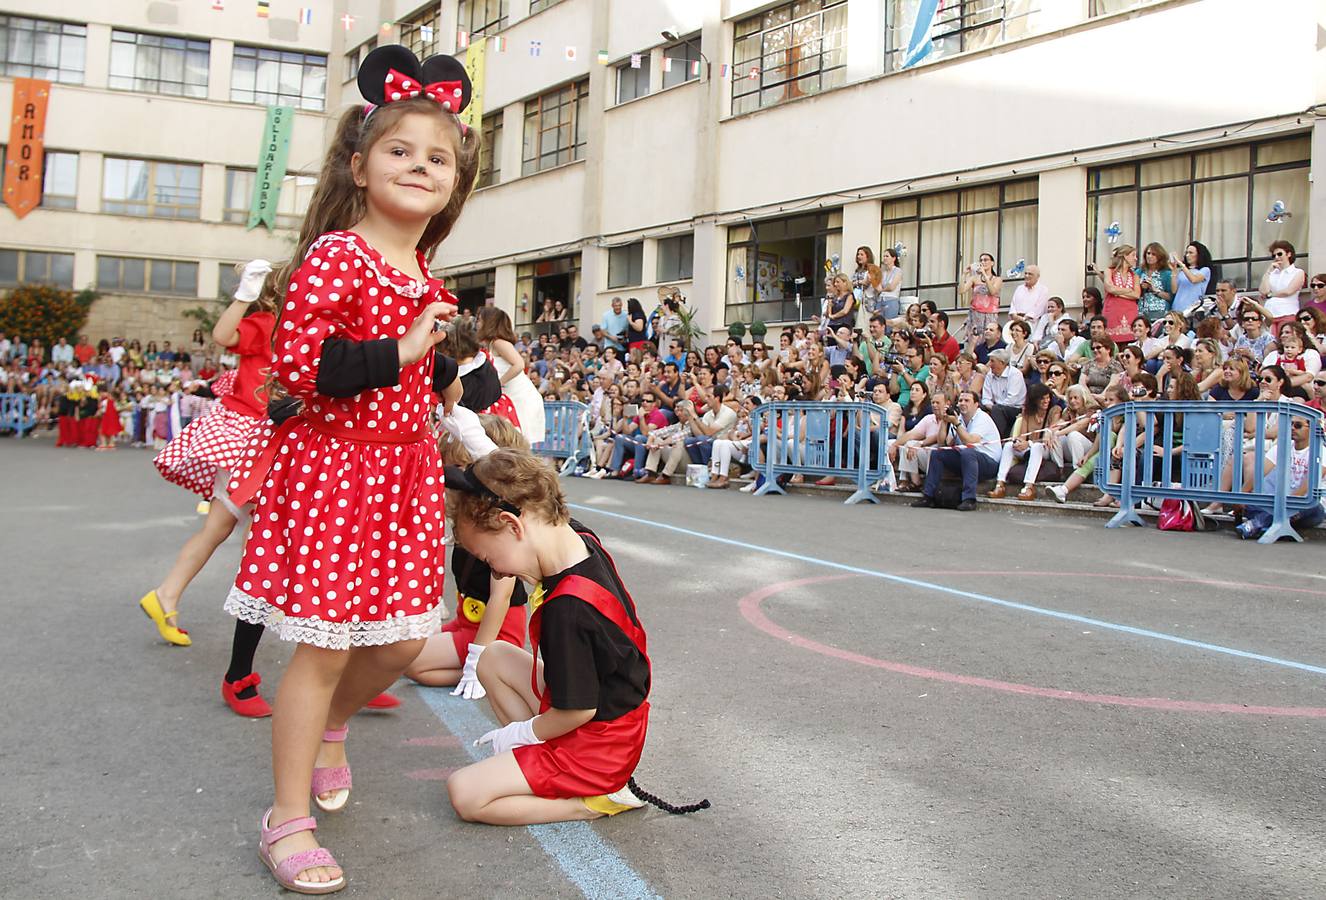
[573, 723]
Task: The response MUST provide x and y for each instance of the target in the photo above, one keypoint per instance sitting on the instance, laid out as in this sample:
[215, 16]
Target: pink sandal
[332, 778]
[285, 871]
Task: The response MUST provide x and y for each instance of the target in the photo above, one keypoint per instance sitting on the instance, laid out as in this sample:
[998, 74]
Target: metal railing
[566, 434]
[1188, 449]
[838, 439]
[18, 413]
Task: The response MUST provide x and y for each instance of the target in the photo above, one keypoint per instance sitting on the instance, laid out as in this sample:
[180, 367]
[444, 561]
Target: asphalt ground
[878, 701]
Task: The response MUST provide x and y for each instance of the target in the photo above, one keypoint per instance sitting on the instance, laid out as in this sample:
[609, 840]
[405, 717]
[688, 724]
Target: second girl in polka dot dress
[345, 552]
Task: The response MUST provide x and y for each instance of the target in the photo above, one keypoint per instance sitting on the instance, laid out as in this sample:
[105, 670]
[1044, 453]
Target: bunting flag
[667, 64]
[271, 166]
[695, 67]
[635, 60]
[603, 57]
[570, 54]
[499, 43]
[724, 70]
[536, 48]
[919, 45]
[264, 8]
[27, 142]
[219, 5]
[426, 33]
[754, 73]
[476, 64]
[305, 15]
[348, 21]
[462, 40]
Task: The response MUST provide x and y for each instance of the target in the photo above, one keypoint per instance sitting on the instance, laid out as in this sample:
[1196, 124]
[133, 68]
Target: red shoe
[383, 701]
[252, 707]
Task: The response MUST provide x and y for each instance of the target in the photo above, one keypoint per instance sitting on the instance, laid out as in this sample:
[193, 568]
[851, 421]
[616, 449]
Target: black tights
[242, 650]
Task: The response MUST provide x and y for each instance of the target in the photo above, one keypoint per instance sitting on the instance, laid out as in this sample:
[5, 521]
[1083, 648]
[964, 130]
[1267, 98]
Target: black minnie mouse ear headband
[462, 478]
[394, 73]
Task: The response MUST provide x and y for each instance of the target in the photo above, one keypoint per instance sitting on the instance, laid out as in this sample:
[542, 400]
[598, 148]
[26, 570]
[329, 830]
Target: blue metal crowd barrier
[566, 433]
[18, 413]
[840, 439]
[1187, 446]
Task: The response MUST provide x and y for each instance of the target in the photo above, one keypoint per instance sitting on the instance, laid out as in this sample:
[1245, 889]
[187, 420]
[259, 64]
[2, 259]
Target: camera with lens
[891, 359]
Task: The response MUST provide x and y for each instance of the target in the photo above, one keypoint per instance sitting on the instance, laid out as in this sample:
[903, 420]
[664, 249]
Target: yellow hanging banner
[475, 62]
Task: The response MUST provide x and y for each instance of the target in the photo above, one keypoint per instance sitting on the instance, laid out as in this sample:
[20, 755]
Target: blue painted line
[968, 595]
[586, 859]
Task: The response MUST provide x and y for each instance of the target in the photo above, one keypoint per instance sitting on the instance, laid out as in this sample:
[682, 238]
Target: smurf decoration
[1018, 270]
[1112, 233]
[394, 73]
[1278, 213]
[900, 250]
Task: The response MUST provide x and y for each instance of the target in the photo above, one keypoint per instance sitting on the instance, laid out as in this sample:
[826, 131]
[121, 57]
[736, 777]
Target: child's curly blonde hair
[518, 477]
[499, 430]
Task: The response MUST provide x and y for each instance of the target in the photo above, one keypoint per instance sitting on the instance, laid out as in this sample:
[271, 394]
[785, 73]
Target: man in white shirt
[1029, 302]
[1068, 343]
[117, 350]
[1004, 392]
[970, 447]
[62, 354]
[717, 421]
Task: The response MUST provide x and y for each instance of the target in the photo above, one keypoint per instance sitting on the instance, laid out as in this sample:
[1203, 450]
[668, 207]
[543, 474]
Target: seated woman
[1032, 437]
[967, 376]
[1297, 355]
[1101, 369]
[1072, 432]
[1087, 469]
[1206, 357]
[733, 448]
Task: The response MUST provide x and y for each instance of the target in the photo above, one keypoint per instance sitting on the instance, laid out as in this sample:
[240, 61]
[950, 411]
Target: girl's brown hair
[494, 324]
[338, 203]
[526, 481]
[462, 340]
[499, 430]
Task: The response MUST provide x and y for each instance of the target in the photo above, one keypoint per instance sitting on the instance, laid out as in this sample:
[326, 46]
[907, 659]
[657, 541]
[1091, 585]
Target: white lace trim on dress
[409, 287]
[332, 635]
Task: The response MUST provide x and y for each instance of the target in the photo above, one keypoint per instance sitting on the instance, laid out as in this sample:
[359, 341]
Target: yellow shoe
[616, 802]
[151, 606]
[203, 507]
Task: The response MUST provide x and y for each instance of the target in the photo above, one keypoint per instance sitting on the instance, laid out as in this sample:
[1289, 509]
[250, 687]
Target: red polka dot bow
[397, 86]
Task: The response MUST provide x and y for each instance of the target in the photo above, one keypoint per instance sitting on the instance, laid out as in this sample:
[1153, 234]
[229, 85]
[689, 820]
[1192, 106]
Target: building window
[154, 64]
[481, 16]
[540, 5]
[674, 258]
[1220, 197]
[421, 32]
[490, 151]
[546, 292]
[59, 189]
[680, 63]
[788, 52]
[942, 234]
[144, 187]
[473, 290]
[958, 27]
[36, 267]
[296, 192]
[554, 128]
[278, 78]
[626, 265]
[144, 276]
[356, 56]
[36, 48]
[633, 82]
[1109, 7]
[765, 261]
[229, 281]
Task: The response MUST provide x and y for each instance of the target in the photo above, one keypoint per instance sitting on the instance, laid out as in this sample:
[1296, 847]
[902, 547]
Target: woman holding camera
[981, 288]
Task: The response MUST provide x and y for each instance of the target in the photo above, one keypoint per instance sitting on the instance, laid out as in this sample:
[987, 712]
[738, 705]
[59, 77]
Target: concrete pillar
[504, 289]
[1317, 199]
[89, 182]
[593, 279]
[209, 278]
[85, 268]
[213, 201]
[221, 62]
[648, 268]
[513, 127]
[1061, 232]
[861, 227]
[708, 292]
[865, 48]
[97, 61]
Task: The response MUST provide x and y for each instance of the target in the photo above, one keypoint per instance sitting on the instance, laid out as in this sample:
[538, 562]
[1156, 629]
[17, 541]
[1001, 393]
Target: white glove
[509, 737]
[464, 426]
[251, 280]
[469, 686]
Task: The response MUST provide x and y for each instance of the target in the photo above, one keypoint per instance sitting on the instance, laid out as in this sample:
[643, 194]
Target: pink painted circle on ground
[750, 606]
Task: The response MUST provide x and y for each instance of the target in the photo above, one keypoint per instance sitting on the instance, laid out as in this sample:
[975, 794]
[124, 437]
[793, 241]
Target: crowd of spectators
[154, 386]
[1013, 397]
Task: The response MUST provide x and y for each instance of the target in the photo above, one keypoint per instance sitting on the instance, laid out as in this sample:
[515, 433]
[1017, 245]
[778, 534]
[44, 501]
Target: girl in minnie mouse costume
[573, 725]
[344, 554]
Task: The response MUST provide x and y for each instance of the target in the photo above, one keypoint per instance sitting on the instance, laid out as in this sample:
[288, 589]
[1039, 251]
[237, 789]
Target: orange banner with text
[24, 157]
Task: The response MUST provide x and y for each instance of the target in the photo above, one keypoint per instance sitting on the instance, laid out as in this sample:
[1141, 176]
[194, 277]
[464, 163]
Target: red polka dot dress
[345, 549]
